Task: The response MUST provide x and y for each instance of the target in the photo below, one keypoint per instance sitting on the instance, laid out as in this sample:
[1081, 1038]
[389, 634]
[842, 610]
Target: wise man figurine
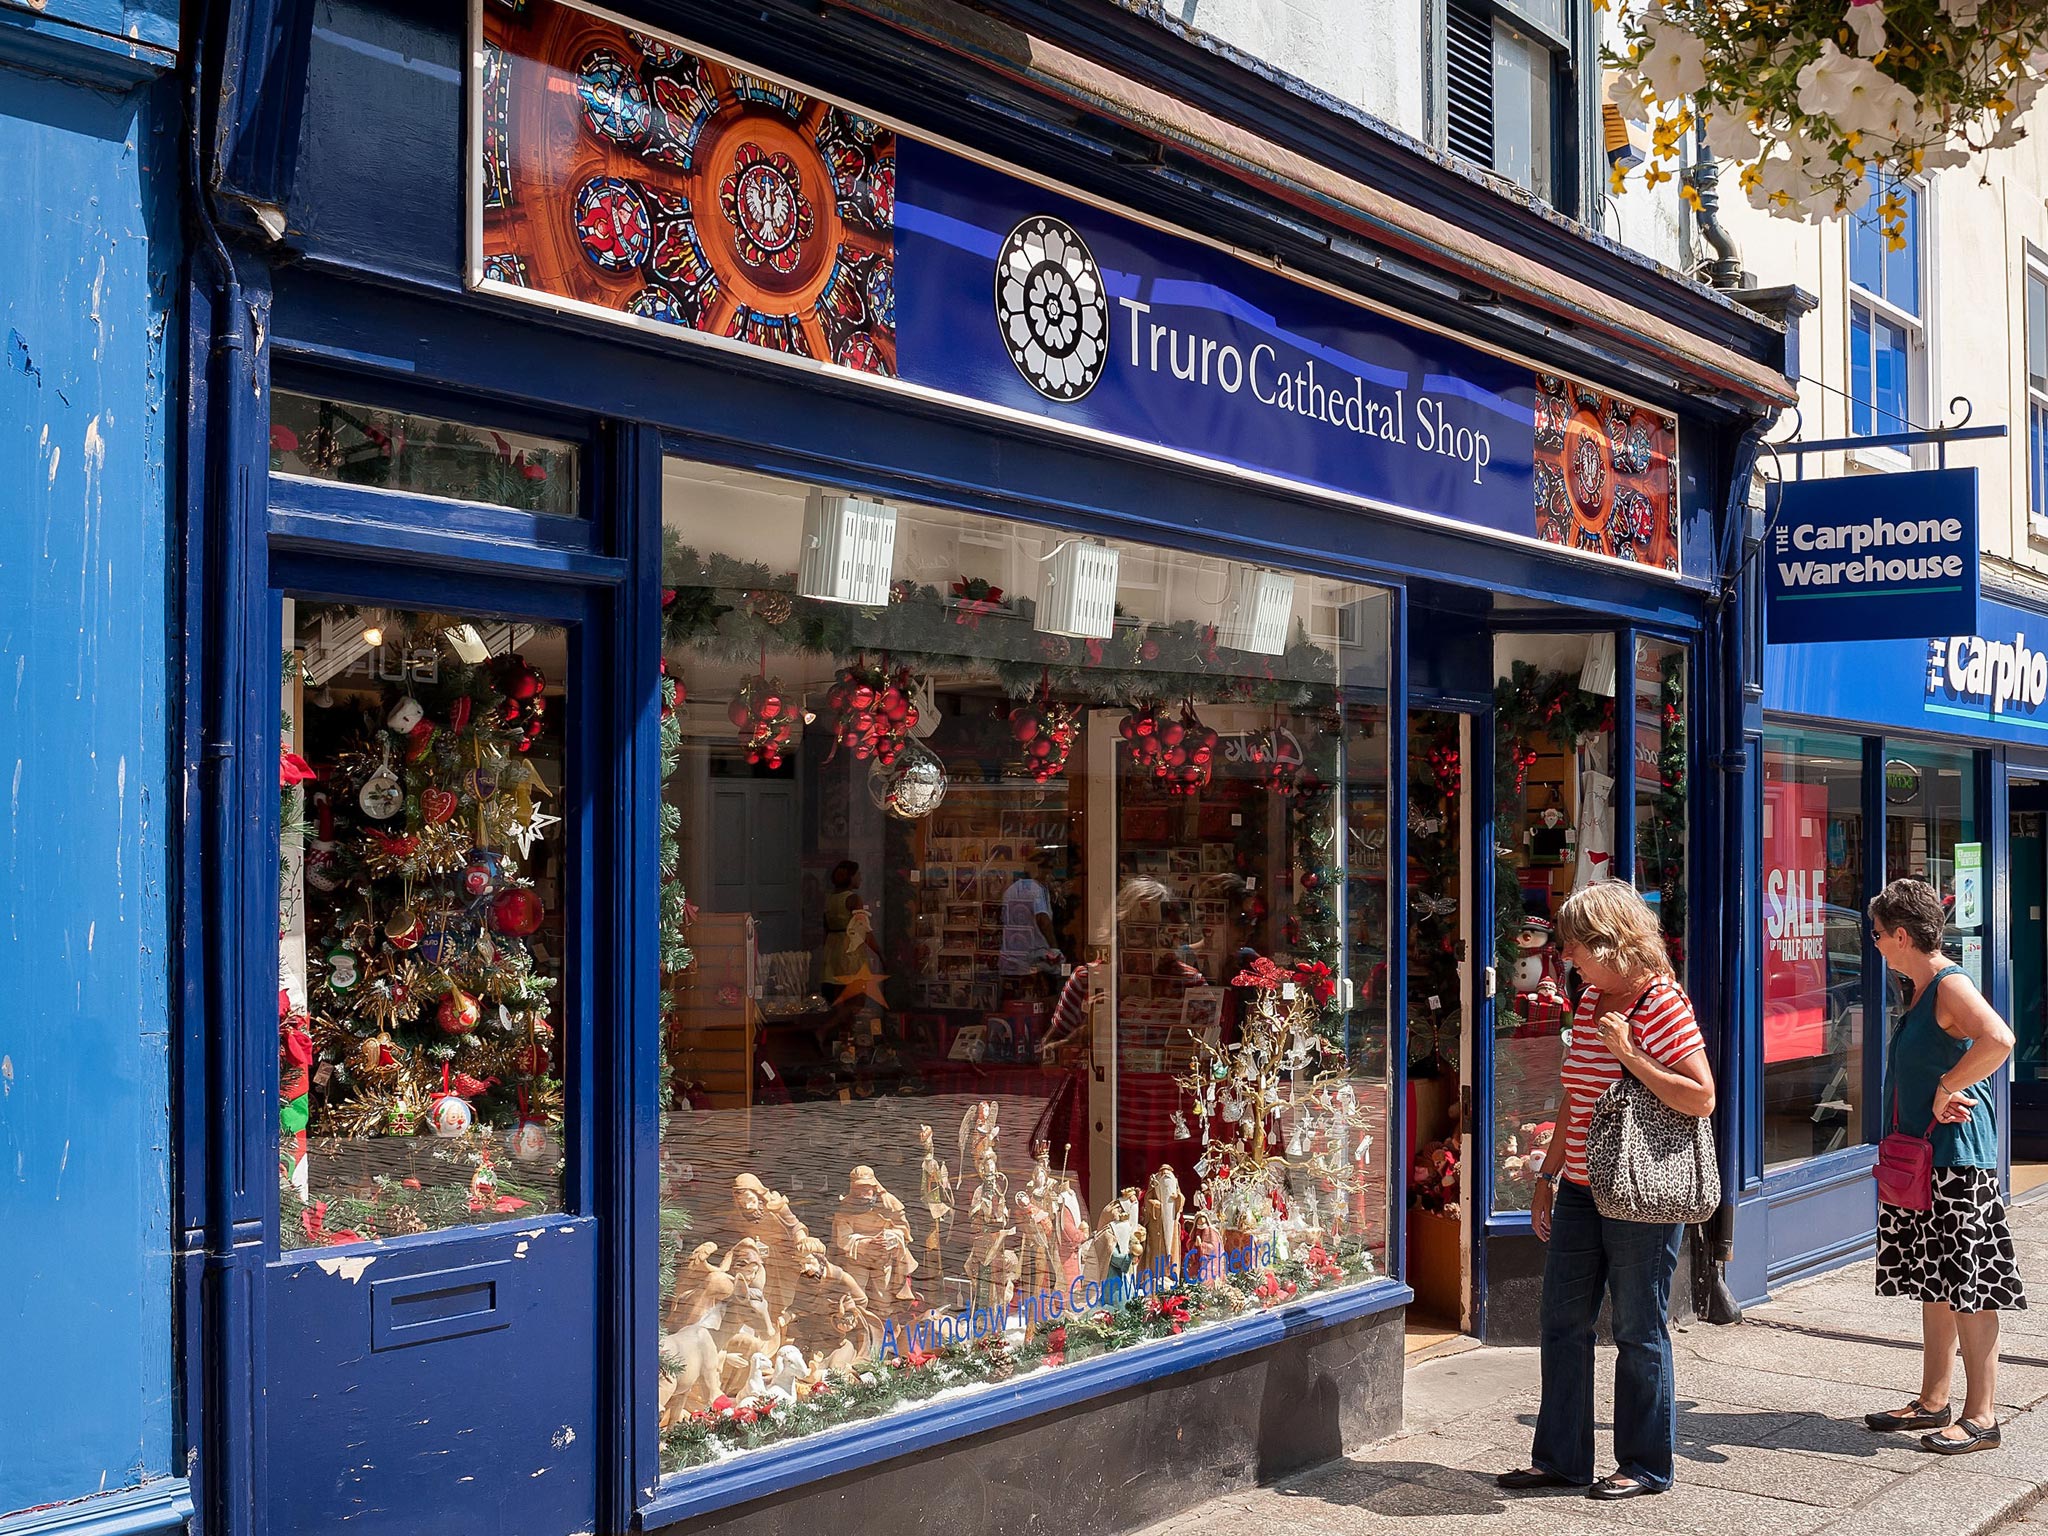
[936, 1191]
[871, 1234]
[1164, 1204]
[987, 1212]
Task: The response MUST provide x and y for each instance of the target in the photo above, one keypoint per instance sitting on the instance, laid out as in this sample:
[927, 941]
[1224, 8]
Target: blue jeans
[1632, 1261]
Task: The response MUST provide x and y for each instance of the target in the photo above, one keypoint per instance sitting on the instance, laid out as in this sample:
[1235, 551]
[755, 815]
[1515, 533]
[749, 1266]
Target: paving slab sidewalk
[1771, 1439]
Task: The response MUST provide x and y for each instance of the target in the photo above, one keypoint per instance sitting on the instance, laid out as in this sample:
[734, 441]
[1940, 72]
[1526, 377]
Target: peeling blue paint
[89, 240]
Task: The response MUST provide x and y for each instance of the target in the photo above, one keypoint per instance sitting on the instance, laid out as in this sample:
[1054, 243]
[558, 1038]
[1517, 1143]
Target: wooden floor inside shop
[1429, 1339]
[2027, 1178]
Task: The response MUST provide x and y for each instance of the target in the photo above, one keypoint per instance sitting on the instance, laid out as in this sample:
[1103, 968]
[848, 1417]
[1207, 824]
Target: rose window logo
[1052, 308]
[764, 202]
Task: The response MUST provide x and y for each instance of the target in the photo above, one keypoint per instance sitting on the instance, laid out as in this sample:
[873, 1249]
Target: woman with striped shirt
[1633, 1017]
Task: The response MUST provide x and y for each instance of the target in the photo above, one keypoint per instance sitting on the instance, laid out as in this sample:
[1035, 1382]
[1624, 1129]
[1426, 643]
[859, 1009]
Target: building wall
[88, 240]
[1366, 53]
[1978, 219]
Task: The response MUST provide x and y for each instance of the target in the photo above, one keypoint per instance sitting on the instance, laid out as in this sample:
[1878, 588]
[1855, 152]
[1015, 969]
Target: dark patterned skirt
[1960, 1252]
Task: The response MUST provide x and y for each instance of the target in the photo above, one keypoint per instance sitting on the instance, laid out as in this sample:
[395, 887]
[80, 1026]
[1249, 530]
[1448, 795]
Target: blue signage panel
[1048, 305]
[1872, 557]
[1989, 684]
[632, 177]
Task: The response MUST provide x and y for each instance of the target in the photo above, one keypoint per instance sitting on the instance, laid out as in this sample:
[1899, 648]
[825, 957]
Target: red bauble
[517, 911]
[458, 1013]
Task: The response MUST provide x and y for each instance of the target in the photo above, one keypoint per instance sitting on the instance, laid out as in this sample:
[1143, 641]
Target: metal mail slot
[443, 1304]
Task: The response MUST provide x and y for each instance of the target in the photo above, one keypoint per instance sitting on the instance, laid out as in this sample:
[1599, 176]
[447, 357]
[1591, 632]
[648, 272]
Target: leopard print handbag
[1645, 1161]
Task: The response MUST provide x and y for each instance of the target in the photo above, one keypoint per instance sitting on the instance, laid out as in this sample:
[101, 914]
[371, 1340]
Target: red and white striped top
[1663, 1029]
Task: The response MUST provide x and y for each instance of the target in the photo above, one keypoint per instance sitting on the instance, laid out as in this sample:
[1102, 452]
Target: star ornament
[864, 982]
[530, 831]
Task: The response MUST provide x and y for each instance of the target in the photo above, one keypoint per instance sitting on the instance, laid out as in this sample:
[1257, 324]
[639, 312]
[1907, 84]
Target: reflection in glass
[1661, 774]
[1027, 999]
[1813, 853]
[1554, 794]
[399, 451]
[420, 932]
[1930, 834]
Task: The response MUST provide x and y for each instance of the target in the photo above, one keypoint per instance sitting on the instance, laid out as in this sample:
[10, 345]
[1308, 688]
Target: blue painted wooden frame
[451, 546]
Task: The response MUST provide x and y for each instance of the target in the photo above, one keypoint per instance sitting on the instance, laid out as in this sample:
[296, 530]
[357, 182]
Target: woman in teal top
[1957, 1258]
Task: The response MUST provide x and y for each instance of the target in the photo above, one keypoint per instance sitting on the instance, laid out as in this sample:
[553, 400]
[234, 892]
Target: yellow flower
[1655, 176]
[1851, 139]
[1691, 194]
[1617, 180]
[1752, 176]
[1853, 166]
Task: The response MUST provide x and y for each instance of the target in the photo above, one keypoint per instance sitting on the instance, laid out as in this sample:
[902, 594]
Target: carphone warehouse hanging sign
[1873, 557]
[633, 177]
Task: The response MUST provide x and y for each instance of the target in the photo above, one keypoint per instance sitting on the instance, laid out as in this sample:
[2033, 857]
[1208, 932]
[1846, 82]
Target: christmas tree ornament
[449, 1116]
[344, 969]
[871, 711]
[516, 680]
[382, 795]
[440, 944]
[528, 1141]
[377, 1055]
[458, 1013]
[438, 805]
[479, 873]
[323, 866]
[1045, 733]
[533, 1059]
[1276, 754]
[405, 714]
[768, 726]
[912, 787]
[530, 829]
[481, 782]
[419, 741]
[404, 928]
[517, 910]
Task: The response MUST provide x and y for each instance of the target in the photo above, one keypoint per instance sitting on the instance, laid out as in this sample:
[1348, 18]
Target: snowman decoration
[1539, 972]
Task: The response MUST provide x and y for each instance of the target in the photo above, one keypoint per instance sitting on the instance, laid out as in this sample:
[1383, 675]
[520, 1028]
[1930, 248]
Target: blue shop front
[1884, 759]
[917, 798]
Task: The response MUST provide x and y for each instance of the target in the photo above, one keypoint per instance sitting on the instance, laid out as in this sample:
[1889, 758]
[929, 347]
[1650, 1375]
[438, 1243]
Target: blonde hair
[1613, 924]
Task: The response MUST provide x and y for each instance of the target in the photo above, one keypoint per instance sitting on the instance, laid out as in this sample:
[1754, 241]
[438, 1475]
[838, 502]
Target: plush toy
[1537, 963]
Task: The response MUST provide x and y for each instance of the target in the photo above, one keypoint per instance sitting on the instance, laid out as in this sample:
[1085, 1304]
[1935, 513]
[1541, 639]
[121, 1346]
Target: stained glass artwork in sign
[631, 174]
[1604, 475]
[615, 103]
[611, 221]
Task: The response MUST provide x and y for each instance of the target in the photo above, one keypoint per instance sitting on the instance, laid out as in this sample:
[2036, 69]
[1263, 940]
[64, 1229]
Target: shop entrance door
[429, 1312]
[2028, 845]
[1446, 929]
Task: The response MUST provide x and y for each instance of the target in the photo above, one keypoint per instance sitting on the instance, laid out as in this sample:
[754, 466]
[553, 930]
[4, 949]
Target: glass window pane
[1662, 788]
[1554, 807]
[1866, 243]
[2037, 330]
[1892, 390]
[2027, 934]
[1930, 800]
[1860, 397]
[1902, 266]
[975, 1068]
[1813, 944]
[421, 455]
[420, 937]
[2037, 442]
[1522, 112]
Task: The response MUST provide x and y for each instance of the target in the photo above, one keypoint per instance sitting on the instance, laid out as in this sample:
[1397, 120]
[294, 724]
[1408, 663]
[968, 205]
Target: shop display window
[1930, 833]
[420, 934]
[1024, 941]
[1813, 935]
[1554, 810]
[1662, 788]
[393, 450]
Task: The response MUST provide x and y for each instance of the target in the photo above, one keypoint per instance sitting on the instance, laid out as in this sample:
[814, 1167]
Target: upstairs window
[2037, 393]
[1506, 91]
[1887, 337]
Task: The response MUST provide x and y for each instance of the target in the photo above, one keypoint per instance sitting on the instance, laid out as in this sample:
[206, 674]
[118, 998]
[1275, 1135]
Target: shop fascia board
[1496, 273]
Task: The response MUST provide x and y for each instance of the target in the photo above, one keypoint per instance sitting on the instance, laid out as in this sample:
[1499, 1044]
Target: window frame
[2034, 271]
[1915, 325]
[1573, 109]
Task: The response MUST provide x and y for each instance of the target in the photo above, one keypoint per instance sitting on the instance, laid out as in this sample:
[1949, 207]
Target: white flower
[1962, 12]
[1850, 199]
[1675, 66]
[1944, 158]
[1631, 102]
[1731, 137]
[1866, 20]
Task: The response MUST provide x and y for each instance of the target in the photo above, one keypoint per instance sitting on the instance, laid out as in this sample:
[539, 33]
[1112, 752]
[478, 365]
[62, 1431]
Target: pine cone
[771, 606]
[402, 1221]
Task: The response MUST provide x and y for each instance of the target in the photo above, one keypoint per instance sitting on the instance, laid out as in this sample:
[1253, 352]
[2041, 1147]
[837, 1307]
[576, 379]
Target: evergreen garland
[875, 1387]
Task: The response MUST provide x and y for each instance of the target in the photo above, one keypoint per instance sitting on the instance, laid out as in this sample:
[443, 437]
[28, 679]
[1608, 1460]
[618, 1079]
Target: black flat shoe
[1531, 1477]
[1615, 1486]
[1883, 1423]
[1977, 1437]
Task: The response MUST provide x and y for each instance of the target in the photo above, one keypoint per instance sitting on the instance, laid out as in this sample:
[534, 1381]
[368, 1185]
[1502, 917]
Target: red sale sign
[1795, 921]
